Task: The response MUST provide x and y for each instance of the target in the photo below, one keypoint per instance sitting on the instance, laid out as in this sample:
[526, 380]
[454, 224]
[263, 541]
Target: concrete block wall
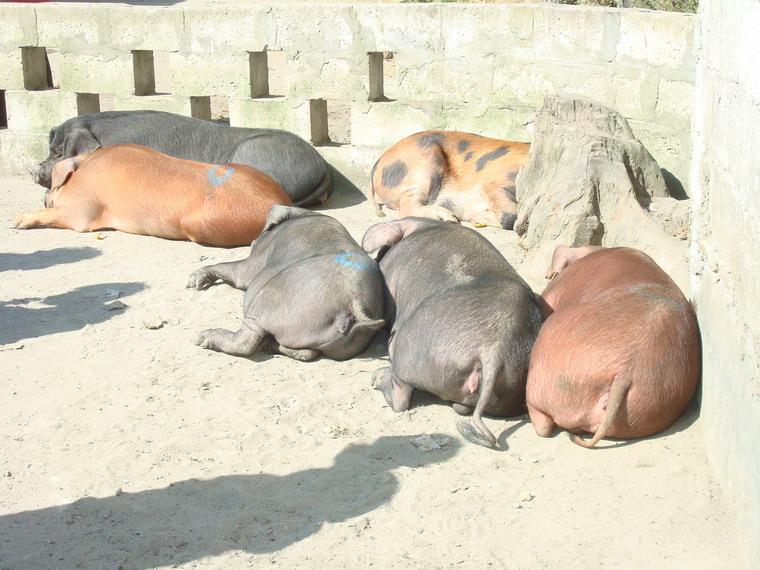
[725, 241]
[362, 74]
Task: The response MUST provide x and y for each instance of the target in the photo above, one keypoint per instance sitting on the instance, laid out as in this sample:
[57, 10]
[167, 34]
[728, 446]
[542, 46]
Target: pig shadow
[43, 259]
[192, 519]
[65, 312]
[345, 194]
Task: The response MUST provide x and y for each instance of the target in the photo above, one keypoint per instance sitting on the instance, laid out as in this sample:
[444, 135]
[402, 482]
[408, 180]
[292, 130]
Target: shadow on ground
[195, 518]
[43, 259]
[61, 313]
[346, 193]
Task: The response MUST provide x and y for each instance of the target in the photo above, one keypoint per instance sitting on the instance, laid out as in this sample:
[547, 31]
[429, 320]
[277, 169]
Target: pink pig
[619, 354]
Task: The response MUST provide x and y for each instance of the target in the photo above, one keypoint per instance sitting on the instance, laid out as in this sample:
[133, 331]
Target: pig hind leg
[397, 393]
[302, 354]
[461, 409]
[244, 342]
[233, 273]
[542, 423]
[421, 186]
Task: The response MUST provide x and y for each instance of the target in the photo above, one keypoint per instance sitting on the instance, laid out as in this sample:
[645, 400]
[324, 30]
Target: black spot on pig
[489, 156]
[426, 141]
[394, 174]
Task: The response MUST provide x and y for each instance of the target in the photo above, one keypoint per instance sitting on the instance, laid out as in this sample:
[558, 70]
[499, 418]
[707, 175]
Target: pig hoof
[200, 280]
[203, 339]
[468, 432]
[461, 409]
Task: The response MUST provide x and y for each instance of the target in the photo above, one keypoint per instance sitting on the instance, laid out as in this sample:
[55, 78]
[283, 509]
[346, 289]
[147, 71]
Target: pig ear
[79, 141]
[62, 171]
[382, 235]
[278, 214]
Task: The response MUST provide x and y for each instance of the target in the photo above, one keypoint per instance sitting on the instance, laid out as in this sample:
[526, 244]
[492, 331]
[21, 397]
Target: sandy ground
[127, 447]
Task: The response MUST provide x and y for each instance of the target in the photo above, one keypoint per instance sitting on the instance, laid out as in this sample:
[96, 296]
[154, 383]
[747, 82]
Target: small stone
[119, 492]
[154, 322]
[14, 346]
[526, 497]
[426, 442]
[113, 293]
[114, 305]
[9, 474]
[203, 257]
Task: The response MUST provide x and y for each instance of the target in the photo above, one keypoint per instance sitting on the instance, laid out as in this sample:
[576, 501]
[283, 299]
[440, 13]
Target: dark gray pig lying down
[309, 290]
[464, 321]
[285, 157]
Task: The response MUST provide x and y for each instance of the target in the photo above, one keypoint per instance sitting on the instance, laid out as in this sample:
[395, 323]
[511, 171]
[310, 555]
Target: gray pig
[309, 290]
[285, 157]
[464, 321]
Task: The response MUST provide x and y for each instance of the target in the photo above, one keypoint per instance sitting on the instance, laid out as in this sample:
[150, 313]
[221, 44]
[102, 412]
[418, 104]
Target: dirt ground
[123, 446]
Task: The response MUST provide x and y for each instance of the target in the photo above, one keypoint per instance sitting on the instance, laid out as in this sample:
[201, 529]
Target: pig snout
[42, 173]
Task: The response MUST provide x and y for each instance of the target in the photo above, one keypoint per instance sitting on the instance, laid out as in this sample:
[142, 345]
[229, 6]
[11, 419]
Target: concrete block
[198, 74]
[383, 124]
[274, 113]
[675, 100]
[104, 72]
[633, 92]
[144, 28]
[32, 112]
[228, 29]
[476, 29]
[198, 107]
[570, 33]
[313, 75]
[663, 39]
[670, 148]
[19, 26]
[11, 69]
[20, 151]
[315, 28]
[508, 123]
[425, 76]
[71, 27]
[393, 27]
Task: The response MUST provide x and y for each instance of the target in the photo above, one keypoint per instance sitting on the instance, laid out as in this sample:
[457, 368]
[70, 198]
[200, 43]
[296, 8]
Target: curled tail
[618, 392]
[475, 431]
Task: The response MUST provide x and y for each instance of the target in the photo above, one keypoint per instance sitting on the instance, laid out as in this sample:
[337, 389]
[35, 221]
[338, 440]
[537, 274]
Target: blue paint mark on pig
[216, 179]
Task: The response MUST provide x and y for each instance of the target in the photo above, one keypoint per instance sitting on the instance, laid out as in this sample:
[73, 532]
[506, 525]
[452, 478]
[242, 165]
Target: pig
[450, 176]
[463, 321]
[283, 156]
[619, 354]
[310, 290]
[141, 191]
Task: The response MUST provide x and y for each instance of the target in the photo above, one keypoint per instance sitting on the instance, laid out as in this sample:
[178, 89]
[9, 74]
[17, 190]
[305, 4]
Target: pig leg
[302, 354]
[461, 409]
[542, 423]
[241, 343]
[397, 393]
[52, 218]
[233, 273]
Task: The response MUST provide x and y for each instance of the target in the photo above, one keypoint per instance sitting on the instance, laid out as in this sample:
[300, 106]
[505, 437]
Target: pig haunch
[619, 354]
[463, 321]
